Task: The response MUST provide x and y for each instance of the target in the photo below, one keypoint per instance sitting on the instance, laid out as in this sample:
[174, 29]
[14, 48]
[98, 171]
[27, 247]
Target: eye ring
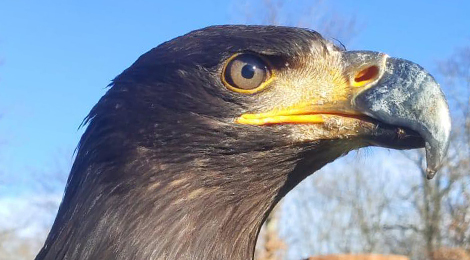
[246, 73]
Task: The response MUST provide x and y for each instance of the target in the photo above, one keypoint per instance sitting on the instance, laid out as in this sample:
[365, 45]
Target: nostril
[366, 75]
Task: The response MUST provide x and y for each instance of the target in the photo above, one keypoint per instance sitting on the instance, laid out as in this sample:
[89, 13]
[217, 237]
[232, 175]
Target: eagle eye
[246, 73]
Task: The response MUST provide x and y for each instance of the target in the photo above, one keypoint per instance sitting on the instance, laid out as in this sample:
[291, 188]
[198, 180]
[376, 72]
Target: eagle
[193, 145]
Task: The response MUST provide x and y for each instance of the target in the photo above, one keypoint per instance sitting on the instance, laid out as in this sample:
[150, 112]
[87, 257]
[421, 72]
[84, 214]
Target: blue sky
[57, 57]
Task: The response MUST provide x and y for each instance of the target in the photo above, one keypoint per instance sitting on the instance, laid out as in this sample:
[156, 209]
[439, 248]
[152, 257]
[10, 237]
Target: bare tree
[456, 203]
[346, 208]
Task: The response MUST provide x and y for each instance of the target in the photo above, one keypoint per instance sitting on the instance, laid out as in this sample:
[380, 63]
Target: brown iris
[246, 73]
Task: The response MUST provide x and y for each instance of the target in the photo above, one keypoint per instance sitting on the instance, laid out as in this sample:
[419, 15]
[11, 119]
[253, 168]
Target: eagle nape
[195, 143]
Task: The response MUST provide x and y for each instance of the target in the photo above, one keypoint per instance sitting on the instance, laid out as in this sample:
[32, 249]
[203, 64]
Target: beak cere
[406, 95]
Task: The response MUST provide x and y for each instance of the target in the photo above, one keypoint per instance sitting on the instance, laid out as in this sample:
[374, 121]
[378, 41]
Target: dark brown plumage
[180, 162]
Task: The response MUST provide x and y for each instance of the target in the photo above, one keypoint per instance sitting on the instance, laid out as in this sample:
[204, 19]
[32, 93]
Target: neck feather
[203, 206]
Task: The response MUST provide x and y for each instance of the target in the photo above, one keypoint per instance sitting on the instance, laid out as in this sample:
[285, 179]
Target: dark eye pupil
[248, 71]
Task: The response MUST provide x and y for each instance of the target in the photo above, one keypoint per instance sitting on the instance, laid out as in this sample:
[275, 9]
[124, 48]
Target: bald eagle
[193, 145]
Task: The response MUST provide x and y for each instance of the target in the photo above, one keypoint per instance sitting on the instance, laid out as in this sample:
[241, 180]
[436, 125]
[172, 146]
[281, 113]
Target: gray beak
[406, 95]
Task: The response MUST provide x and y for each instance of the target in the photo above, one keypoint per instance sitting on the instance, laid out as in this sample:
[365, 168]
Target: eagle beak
[404, 94]
[394, 92]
